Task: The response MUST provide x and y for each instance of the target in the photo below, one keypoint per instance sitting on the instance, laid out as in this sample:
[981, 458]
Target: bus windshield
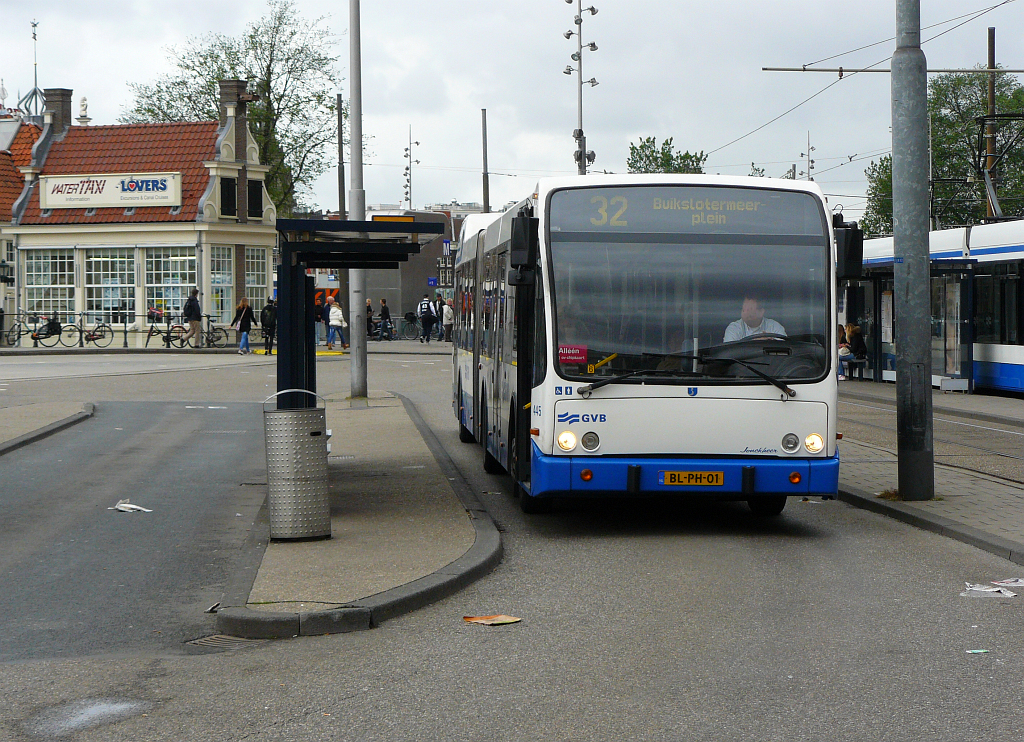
[704, 281]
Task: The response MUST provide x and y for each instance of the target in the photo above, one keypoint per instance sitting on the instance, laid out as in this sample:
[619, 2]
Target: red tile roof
[11, 183]
[131, 148]
[21, 147]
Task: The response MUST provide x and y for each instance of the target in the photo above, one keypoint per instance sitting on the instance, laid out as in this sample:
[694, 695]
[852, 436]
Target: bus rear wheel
[767, 506]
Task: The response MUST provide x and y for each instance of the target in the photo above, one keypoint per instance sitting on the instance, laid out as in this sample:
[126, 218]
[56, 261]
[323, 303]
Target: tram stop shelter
[337, 244]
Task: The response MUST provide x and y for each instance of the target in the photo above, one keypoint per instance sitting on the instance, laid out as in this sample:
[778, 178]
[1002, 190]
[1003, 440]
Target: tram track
[957, 451]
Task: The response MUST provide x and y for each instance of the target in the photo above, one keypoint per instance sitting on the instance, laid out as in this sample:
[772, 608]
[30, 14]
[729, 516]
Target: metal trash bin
[296, 442]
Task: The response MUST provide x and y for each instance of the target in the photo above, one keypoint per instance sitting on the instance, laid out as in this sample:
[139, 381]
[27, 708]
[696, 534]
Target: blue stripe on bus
[560, 475]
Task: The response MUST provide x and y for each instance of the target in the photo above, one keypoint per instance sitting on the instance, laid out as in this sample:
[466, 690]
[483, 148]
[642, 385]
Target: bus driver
[751, 322]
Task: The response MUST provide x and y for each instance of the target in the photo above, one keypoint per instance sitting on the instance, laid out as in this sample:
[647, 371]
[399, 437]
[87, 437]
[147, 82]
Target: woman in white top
[337, 324]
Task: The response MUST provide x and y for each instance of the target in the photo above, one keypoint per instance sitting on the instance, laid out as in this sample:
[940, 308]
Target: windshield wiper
[789, 392]
[586, 389]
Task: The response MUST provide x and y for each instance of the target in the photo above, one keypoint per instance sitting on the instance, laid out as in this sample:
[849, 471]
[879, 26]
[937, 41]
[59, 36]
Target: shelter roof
[323, 243]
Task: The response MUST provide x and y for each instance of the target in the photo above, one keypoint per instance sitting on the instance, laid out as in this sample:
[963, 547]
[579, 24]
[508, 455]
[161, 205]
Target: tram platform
[983, 510]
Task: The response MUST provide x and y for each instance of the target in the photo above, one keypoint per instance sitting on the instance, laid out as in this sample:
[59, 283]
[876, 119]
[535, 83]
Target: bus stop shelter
[339, 245]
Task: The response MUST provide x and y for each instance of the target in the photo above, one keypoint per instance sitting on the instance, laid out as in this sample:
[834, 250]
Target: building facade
[122, 222]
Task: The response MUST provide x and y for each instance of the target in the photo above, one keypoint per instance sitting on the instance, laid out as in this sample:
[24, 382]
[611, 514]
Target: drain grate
[223, 641]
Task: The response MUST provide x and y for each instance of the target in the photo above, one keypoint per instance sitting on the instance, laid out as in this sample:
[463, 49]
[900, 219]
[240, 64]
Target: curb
[47, 430]
[367, 613]
[1001, 547]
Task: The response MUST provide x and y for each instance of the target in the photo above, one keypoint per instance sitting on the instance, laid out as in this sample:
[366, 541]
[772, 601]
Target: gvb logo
[569, 418]
[692, 391]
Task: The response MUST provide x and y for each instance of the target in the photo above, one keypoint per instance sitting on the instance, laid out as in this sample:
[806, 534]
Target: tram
[977, 306]
[651, 334]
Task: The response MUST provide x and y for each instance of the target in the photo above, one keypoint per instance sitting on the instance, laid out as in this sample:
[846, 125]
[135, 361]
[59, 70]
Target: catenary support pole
[990, 127]
[916, 479]
[341, 159]
[487, 177]
[357, 212]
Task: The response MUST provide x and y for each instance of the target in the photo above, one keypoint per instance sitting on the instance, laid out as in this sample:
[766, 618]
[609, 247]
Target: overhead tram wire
[973, 16]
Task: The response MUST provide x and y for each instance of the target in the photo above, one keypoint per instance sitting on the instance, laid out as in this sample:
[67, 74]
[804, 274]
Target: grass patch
[890, 495]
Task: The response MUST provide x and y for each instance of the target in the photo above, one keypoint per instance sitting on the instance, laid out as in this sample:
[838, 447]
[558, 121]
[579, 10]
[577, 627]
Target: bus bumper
[741, 478]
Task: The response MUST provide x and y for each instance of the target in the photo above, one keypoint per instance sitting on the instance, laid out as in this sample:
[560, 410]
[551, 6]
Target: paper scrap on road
[977, 651]
[985, 591]
[1012, 582]
[498, 620]
[126, 507]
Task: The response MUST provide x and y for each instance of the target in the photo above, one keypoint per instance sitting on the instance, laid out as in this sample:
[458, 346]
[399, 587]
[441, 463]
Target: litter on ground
[126, 507]
[985, 591]
[1012, 582]
[498, 620]
[977, 651]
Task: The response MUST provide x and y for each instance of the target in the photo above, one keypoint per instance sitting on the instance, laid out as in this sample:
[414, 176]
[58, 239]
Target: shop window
[50, 283]
[170, 276]
[256, 277]
[222, 285]
[109, 283]
[228, 197]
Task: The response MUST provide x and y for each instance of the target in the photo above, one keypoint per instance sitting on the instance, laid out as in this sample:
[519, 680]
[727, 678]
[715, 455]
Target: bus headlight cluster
[814, 443]
[590, 441]
[567, 440]
[790, 442]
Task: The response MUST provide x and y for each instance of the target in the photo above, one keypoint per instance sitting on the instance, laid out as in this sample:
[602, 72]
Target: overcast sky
[666, 68]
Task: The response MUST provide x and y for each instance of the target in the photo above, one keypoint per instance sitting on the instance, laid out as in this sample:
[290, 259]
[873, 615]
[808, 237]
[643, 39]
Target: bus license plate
[692, 478]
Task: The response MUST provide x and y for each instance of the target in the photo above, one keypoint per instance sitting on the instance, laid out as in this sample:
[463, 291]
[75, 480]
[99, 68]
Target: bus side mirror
[524, 246]
[849, 252]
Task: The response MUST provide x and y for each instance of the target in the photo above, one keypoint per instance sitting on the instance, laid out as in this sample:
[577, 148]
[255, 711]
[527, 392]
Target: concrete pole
[487, 178]
[912, 270]
[341, 161]
[990, 128]
[357, 212]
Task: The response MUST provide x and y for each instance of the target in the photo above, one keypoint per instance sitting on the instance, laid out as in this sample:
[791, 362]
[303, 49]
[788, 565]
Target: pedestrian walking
[335, 324]
[321, 325]
[369, 318]
[193, 314]
[243, 322]
[448, 320]
[268, 318]
[427, 315]
[439, 315]
[385, 320]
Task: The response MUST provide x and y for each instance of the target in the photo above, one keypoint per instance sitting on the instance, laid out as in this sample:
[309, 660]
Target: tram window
[996, 317]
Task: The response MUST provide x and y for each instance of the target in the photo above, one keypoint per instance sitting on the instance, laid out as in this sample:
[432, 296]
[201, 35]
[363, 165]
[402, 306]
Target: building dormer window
[255, 199]
[228, 197]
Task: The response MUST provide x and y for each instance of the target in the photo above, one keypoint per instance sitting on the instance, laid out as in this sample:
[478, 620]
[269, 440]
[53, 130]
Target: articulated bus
[649, 335]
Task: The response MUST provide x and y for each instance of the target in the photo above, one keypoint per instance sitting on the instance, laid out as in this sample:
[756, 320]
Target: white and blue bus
[652, 334]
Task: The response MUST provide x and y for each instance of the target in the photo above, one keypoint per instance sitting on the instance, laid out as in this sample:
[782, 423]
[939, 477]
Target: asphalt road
[79, 578]
[641, 621]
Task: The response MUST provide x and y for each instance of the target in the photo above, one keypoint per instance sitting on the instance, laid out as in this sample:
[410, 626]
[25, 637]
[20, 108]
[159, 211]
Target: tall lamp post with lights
[582, 155]
[409, 162]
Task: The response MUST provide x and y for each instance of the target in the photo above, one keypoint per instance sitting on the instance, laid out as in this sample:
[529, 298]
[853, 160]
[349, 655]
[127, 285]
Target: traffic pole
[912, 275]
[357, 212]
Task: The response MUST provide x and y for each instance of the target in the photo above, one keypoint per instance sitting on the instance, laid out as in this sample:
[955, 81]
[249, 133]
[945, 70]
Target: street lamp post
[582, 155]
[409, 162]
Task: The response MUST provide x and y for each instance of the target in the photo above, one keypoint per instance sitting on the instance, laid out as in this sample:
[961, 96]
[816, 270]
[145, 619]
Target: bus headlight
[814, 443]
[590, 441]
[790, 442]
[567, 440]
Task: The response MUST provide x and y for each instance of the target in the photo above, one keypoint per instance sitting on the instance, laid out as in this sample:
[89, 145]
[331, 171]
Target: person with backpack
[268, 318]
[427, 315]
[193, 314]
[385, 321]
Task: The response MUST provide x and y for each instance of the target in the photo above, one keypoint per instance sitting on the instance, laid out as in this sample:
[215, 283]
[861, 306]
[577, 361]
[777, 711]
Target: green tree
[648, 157]
[955, 101]
[877, 219]
[290, 64]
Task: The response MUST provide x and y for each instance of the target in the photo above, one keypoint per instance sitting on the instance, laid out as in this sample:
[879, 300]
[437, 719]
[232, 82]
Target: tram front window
[666, 292]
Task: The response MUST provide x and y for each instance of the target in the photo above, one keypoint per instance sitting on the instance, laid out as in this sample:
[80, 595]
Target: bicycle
[53, 332]
[212, 336]
[410, 326]
[23, 324]
[382, 332]
[101, 334]
[170, 336]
